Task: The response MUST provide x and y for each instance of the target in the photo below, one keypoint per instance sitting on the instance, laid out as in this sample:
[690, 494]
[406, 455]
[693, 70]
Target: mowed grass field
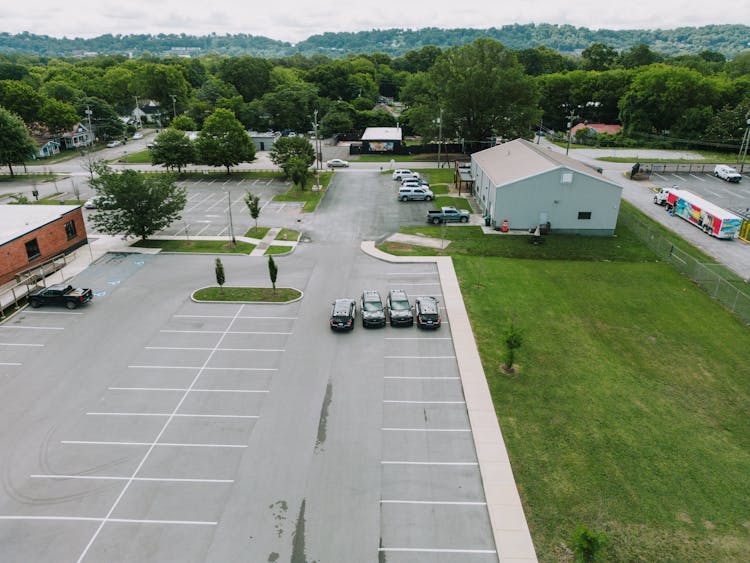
[630, 410]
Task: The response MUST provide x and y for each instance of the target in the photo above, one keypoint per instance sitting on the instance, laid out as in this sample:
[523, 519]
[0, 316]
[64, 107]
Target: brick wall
[52, 240]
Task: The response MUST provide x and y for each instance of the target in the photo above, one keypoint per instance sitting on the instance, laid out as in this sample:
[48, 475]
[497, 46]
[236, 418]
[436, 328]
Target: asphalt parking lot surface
[730, 196]
[147, 427]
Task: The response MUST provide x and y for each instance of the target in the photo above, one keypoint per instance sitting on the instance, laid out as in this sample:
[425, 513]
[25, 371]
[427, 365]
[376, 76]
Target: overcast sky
[295, 20]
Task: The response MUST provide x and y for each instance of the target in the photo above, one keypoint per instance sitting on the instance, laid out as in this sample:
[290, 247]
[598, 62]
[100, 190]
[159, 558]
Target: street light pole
[318, 157]
[571, 117]
[440, 134]
[231, 225]
[745, 142]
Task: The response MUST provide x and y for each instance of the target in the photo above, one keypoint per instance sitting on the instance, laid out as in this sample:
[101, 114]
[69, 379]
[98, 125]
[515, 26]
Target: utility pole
[88, 118]
[440, 134]
[138, 123]
[571, 117]
[318, 156]
[745, 142]
[174, 106]
[231, 225]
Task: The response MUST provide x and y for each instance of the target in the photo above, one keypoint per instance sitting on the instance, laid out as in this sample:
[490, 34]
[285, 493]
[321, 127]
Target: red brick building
[32, 234]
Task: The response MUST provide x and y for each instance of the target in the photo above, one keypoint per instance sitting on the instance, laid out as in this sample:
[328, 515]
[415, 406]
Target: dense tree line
[726, 39]
[472, 92]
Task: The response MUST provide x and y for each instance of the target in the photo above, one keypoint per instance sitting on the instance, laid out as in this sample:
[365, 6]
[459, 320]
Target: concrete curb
[511, 532]
[301, 295]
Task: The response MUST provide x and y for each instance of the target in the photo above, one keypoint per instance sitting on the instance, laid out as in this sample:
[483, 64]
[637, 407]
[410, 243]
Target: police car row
[398, 311]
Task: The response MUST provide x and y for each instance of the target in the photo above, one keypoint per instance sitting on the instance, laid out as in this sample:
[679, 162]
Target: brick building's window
[70, 230]
[32, 250]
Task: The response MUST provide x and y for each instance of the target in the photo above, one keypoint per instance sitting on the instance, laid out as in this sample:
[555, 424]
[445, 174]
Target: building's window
[32, 250]
[584, 215]
[70, 230]
[566, 178]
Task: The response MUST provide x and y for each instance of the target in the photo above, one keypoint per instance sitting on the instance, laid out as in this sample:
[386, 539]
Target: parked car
[113, 144]
[427, 312]
[93, 202]
[399, 173]
[337, 163]
[399, 308]
[342, 314]
[419, 193]
[60, 294]
[373, 313]
[411, 176]
[419, 181]
[137, 136]
[727, 173]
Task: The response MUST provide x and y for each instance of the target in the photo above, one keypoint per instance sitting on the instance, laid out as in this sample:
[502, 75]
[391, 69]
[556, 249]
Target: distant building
[534, 186]
[79, 137]
[149, 112]
[381, 140]
[597, 128]
[32, 234]
[263, 140]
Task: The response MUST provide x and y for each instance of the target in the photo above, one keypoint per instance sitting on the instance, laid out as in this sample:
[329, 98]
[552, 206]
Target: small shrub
[588, 545]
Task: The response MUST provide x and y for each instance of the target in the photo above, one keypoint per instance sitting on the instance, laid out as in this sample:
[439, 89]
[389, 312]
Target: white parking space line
[425, 402]
[222, 332]
[415, 284]
[419, 357]
[416, 338]
[230, 317]
[416, 377]
[21, 344]
[221, 200]
[660, 176]
[10, 364]
[215, 349]
[182, 390]
[697, 177]
[208, 224]
[123, 478]
[52, 313]
[431, 550]
[204, 369]
[173, 415]
[210, 196]
[438, 463]
[102, 520]
[426, 429]
[149, 444]
[34, 327]
[434, 502]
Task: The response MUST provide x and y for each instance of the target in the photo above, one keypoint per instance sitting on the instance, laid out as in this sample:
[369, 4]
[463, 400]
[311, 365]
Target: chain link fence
[732, 292]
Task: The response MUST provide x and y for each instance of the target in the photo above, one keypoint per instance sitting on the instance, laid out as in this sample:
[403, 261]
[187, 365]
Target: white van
[400, 173]
[727, 173]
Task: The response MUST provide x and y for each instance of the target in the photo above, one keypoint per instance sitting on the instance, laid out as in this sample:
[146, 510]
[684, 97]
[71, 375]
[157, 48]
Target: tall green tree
[598, 56]
[173, 149]
[16, 145]
[134, 204]
[273, 271]
[287, 148]
[104, 119]
[58, 117]
[220, 277]
[223, 141]
[299, 171]
[249, 75]
[21, 99]
[484, 92]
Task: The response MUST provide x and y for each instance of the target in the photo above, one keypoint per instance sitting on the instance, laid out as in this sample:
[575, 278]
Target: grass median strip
[205, 246]
[248, 294]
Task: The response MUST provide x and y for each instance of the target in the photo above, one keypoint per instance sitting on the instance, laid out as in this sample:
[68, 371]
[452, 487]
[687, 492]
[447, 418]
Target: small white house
[534, 186]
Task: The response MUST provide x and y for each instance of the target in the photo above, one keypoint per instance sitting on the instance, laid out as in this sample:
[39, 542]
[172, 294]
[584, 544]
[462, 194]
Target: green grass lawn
[310, 198]
[278, 249]
[457, 202]
[629, 411]
[287, 234]
[140, 157]
[207, 246]
[251, 294]
[257, 232]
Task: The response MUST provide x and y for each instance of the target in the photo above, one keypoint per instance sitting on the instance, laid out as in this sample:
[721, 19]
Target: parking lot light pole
[231, 225]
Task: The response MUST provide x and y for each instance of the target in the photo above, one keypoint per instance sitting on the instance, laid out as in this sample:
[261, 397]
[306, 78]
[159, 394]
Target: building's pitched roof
[519, 159]
[382, 134]
[17, 220]
[601, 128]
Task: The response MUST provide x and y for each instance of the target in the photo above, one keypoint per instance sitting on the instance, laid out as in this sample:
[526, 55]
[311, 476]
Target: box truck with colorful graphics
[714, 220]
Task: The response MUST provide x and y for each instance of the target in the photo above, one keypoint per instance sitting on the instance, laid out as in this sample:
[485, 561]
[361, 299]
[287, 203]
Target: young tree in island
[16, 145]
[134, 204]
[223, 141]
[285, 149]
[273, 271]
[513, 338]
[220, 279]
[253, 206]
[173, 149]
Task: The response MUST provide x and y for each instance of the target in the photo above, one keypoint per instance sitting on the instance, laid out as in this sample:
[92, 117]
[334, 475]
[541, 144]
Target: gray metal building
[531, 185]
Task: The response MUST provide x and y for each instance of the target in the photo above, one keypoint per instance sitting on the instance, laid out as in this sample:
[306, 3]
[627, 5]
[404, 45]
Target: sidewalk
[511, 532]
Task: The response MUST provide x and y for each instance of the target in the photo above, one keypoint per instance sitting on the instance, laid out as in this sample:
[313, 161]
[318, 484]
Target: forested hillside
[725, 39]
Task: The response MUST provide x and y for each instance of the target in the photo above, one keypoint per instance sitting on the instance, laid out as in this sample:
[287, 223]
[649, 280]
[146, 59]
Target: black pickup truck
[60, 294]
